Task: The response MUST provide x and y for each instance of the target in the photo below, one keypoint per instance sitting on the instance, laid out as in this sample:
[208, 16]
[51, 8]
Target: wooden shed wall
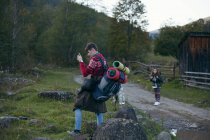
[195, 54]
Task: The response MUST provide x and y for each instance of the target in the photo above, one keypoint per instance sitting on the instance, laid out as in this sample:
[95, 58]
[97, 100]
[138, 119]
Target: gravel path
[172, 114]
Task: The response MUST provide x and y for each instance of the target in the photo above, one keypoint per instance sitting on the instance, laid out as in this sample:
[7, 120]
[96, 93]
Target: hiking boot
[74, 133]
[157, 103]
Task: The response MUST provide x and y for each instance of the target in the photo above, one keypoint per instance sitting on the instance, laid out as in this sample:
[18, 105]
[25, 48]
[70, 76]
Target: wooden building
[194, 52]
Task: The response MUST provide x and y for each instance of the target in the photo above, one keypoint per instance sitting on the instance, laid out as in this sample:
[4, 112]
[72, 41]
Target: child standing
[156, 80]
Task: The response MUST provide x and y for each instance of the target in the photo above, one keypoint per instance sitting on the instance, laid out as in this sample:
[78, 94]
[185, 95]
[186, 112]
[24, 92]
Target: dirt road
[172, 114]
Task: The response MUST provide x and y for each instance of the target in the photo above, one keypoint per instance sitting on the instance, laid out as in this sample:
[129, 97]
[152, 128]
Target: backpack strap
[104, 67]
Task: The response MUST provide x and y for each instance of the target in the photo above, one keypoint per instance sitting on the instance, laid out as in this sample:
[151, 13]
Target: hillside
[53, 32]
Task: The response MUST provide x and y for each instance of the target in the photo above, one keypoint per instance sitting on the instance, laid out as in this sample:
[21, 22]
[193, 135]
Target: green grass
[158, 59]
[176, 90]
[53, 117]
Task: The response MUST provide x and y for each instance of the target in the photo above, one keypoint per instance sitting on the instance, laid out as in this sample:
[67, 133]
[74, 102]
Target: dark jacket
[84, 99]
[156, 81]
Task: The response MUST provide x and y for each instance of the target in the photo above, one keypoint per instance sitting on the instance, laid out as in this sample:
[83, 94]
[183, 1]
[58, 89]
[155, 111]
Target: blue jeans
[78, 119]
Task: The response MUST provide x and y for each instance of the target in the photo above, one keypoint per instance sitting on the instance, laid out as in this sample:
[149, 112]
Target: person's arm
[86, 70]
[82, 65]
[160, 79]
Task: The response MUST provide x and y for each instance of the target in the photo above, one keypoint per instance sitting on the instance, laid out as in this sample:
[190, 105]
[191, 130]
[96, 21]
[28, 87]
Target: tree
[117, 40]
[130, 13]
[196, 26]
[170, 36]
[167, 42]
[5, 26]
[15, 31]
[207, 26]
[54, 31]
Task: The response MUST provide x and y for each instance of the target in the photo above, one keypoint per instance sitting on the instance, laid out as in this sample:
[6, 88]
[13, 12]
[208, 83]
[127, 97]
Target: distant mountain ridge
[153, 34]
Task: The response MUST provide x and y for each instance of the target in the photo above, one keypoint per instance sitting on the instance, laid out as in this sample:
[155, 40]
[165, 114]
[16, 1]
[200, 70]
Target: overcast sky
[161, 12]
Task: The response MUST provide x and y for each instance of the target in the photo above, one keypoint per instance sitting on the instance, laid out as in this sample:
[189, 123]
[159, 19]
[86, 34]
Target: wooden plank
[195, 82]
[201, 87]
[195, 77]
[201, 73]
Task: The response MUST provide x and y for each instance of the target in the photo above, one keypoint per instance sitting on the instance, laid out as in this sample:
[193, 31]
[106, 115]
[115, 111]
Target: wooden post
[174, 70]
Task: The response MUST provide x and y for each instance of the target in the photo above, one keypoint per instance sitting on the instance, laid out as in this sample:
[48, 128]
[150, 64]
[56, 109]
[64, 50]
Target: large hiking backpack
[106, 89]
[109, 85]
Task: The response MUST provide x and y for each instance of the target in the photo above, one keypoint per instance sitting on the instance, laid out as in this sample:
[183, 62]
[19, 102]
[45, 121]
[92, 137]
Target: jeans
[78, 119]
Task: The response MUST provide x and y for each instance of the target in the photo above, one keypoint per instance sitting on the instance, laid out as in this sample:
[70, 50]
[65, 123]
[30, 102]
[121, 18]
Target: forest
[53, 32]
[40, 32]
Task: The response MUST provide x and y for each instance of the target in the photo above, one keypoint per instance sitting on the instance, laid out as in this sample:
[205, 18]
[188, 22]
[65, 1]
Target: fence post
[174, 70]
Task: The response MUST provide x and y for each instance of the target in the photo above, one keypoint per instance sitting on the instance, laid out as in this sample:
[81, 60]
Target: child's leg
[157, 94]
[100, 118]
